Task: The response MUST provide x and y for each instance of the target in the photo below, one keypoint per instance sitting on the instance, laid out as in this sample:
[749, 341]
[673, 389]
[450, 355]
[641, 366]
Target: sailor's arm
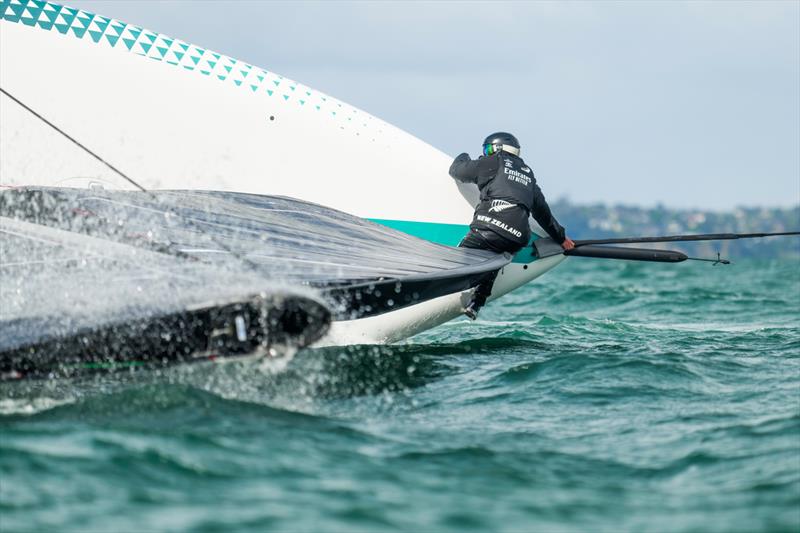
[465, 169]
[542, 214]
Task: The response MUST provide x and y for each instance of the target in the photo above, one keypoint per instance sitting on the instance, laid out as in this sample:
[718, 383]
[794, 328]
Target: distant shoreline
[584, 221]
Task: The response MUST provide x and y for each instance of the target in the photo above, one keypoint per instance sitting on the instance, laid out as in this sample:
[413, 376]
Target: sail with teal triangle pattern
[46, 16]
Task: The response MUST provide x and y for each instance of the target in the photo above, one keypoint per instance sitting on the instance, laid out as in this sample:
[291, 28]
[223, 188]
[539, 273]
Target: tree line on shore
[597, 221]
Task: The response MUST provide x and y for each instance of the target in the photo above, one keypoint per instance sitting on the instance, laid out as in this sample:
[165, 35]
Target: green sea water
[606, 396]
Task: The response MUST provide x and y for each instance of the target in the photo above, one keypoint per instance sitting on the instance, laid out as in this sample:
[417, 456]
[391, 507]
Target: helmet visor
[488, 149]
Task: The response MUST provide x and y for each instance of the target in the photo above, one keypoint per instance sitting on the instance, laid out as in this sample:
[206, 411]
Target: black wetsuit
[509, 195]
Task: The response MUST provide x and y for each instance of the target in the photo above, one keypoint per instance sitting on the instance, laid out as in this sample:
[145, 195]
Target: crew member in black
[509, 195]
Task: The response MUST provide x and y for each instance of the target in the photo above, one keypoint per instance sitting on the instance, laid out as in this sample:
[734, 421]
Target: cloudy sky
[687, 104]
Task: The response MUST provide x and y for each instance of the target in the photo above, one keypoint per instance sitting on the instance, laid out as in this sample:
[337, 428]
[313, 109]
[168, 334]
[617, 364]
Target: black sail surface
[78, 260]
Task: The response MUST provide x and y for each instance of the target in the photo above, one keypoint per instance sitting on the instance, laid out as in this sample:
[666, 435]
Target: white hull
[403, 323]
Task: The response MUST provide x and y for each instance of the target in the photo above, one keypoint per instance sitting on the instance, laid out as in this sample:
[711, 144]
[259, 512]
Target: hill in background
[599, 221]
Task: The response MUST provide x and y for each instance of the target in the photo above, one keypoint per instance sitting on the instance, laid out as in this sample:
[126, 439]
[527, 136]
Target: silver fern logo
[499, 205]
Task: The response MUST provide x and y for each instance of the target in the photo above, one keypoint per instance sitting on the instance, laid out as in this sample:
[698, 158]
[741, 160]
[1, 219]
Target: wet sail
[84, 262]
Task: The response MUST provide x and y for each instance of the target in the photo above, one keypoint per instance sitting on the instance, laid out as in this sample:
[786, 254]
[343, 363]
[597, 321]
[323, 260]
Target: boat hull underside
[395, 326]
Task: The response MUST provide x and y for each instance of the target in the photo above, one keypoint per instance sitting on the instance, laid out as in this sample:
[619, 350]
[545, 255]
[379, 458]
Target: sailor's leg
[473, 239]
[479, 296]
[484, 290]
[485, 240]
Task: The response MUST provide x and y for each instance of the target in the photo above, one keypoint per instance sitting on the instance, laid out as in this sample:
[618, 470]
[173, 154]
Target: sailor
[509, 195]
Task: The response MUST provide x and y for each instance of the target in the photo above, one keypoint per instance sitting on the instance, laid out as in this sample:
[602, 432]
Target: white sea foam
[31, 406]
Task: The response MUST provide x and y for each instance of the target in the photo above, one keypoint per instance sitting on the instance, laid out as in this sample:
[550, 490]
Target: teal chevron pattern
[116, 34]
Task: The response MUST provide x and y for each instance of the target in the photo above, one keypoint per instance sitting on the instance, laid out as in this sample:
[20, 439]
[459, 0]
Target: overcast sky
[686, 104]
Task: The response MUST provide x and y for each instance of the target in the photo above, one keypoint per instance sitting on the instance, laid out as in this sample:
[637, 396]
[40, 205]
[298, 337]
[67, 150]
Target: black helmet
[500, 141]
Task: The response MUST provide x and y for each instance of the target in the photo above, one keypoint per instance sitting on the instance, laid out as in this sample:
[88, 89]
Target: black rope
[62, 132]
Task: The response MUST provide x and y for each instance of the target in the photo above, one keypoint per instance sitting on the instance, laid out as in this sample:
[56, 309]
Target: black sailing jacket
[509, 193]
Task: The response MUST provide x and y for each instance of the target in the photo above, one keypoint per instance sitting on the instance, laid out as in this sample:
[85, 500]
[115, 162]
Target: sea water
[606, 396]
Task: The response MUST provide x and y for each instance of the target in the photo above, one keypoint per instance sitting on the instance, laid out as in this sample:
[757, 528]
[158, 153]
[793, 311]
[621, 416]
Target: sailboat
[162, 203]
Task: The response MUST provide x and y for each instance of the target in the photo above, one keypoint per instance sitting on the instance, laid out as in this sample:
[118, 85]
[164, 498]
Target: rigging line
[237, 255]
[714, 262]
[62, 132]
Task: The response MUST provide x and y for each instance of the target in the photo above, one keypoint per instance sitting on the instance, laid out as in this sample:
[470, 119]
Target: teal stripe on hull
[447, 234]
